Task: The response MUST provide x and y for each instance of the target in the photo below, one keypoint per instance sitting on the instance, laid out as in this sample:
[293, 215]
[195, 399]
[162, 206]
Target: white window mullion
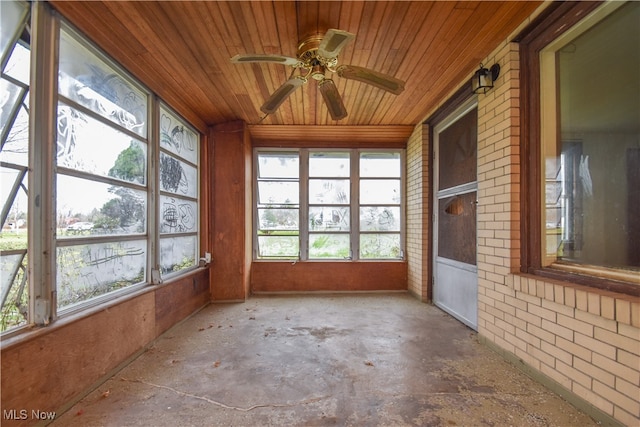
[304, 204]
[355, 205]
[256, 198]
[403, 203]
[153, 191]
[42, 155]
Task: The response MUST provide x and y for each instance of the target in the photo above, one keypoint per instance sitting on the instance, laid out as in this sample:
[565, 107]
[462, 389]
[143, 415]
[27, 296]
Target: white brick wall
[585, 339]
[417, 211]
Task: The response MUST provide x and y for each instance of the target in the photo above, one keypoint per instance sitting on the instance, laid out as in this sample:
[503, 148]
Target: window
[121, 197]
[278, 205]
[380, 205]
[589, 147]
[329, 190]
[14, 163]
[317, 204]
[101, 181]
[179, 191]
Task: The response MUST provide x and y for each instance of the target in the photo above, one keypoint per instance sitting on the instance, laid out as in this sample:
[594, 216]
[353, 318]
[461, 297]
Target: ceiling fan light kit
[316, 55]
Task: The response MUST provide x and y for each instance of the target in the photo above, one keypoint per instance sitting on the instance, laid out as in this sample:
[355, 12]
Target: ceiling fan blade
[374, 78]
[260, 57]
[282, 93]
[333, 42]
[333, 99]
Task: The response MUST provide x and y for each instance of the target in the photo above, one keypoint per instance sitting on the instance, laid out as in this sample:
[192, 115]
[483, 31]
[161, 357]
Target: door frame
[439, 126]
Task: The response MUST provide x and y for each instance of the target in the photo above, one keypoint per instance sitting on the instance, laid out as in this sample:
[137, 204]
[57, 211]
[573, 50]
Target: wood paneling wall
[49, 369]
[231, 212]
[328, 276]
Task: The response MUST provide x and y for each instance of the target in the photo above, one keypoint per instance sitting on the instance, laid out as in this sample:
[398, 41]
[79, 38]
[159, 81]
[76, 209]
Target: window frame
[147, 188]
[305, 204]
[158, 192]
[257, 205]
[19, 189]
[400, 205]
[555, 21]
[43, 239]
[354, 203]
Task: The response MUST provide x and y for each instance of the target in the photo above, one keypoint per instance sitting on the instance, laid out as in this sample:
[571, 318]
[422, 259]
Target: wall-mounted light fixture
[483, 79]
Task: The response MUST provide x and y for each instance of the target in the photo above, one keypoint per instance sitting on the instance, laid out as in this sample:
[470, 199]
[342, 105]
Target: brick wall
[417, 238]
[583, 340]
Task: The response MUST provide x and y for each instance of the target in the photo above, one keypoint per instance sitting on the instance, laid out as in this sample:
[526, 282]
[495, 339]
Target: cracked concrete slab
[321, 360]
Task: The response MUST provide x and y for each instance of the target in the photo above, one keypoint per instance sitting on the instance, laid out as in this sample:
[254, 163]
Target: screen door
[455, 287]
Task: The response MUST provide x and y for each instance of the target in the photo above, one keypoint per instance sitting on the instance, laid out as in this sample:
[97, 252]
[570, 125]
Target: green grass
[10, 240]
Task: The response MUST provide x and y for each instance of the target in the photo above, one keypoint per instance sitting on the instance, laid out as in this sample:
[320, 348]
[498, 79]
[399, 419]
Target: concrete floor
[361, 360]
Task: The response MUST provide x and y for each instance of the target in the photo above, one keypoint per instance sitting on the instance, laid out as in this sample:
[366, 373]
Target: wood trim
[459, 97]
[285, 135]
[430, 210]
[553, 22]
[206, 194]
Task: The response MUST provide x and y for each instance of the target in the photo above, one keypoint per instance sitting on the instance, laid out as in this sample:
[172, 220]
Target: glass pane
[88, 145]
[16, 147]
[278, 219]
[10, 97]
[14, 134]
[329, 164]
[178, 215]
[14, 292]
[380, 218]
[278, 193]
[101, 208]
[380, 191]
[329, 218]
[457, 152]
[88, 80]
[329, 191]
[178, 253]
[383, 165]
[457, 228]
[379, 246]
[279, 246]
[11, 17]
[13, 196]
[329, 246]
[178, 177]
[278, 165]
[593, 172]
[177, 137]
[19, 65]
[87, 271]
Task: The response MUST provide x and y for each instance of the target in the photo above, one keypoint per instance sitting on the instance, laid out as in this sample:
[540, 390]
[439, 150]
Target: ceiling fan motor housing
[308, 49]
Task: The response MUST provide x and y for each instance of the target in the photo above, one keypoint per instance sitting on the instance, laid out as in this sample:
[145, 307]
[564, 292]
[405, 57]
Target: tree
[130, 164]
[128, 209]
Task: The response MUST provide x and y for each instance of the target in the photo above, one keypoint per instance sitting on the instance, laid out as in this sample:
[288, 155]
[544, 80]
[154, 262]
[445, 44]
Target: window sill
[574, 276]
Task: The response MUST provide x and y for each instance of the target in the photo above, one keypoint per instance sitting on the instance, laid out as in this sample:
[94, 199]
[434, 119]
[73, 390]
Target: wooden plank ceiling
[181, 51]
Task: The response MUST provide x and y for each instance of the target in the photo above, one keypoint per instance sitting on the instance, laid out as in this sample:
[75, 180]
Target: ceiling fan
[317, 55]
